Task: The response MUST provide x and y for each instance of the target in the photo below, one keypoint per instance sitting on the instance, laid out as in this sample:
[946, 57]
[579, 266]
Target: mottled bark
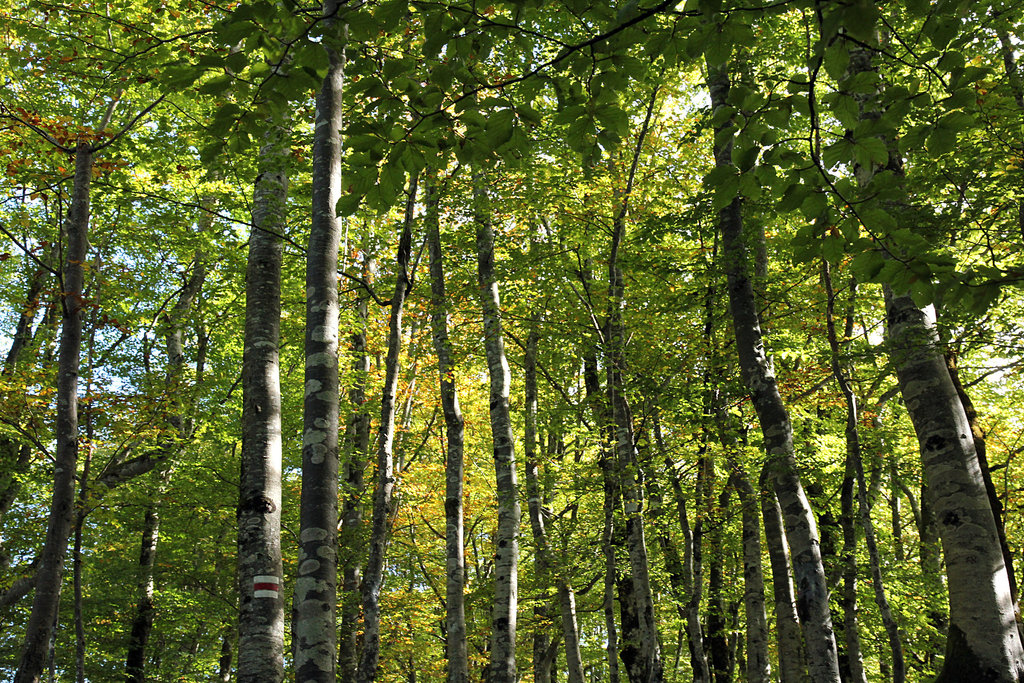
[758, 662]
[855, 475]
[261, 602]
[455, 569]
[717, 615]
[759, 378]
[646, 664]
[983, 643]
[51, 565]
[384, 489]
[142, 623]
[356, 451]
[792, 664]
[506, 556]
[314, 626]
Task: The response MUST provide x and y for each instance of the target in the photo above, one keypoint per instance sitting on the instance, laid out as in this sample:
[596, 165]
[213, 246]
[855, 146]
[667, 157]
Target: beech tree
[780, 289]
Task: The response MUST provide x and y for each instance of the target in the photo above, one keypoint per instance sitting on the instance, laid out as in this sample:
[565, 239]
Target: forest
[524, 341]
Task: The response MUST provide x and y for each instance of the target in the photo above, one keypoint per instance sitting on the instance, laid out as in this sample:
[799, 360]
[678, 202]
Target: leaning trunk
[759, 377]
[385, 486]
[51, 565]
[982, 643]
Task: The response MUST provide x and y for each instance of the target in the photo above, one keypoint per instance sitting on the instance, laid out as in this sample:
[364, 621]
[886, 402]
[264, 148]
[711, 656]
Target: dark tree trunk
[51, 561]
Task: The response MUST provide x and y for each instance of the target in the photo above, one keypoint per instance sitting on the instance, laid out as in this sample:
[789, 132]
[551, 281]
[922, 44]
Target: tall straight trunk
[356, 450]
[314, 625]
[609, 532]
[646, 666]
[856, 464]
[983, 643]
[261, 604]
[385, 485]
[506, 554]
[535, 499]
[758, 661]
[792, 664]
[777, 430]
[455, 562]
[51, 561]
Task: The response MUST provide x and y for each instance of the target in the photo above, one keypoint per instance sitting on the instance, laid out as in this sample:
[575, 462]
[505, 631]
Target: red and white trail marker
[266, 586]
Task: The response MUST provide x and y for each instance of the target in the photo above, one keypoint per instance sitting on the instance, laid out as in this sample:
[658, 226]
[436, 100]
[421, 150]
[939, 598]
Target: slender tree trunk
[142, 624]
[357, 447]
[455, 569]
[717, 617]
[792, 665]
[758, 669]
[759, 377]
[609, 533]
[261, 603]
[384, 489]
[506, 559]
[51, 566]
[646, 666]
[856, 475]
[316, 584]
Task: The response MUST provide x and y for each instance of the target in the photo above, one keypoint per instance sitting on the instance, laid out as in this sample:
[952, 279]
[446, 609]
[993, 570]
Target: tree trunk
[758, 668]
[314, 623]
[983, 643]
[646, 666]
[142, 624]
[455, 569]
[506, 557]
[51, 566]
[792, 665]
[384, 489]
[261, 604]
[759, 377]
[357, 447]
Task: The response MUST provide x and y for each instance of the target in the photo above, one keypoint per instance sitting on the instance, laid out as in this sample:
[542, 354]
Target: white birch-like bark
[384, 489]
[455, 561]
[314, 628]
[260, 580]
[506, 554]
[983, 643]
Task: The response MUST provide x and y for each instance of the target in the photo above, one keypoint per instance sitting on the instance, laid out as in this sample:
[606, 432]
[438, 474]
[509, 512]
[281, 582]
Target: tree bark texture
[356, 451]
[261, 603]
[646, 666]
[983, 643]
[506, 555]
[455, 563]
[314, 626]
[385, 485]
[759, 377]
[758, 668]
[51, 565]
[855, 473]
